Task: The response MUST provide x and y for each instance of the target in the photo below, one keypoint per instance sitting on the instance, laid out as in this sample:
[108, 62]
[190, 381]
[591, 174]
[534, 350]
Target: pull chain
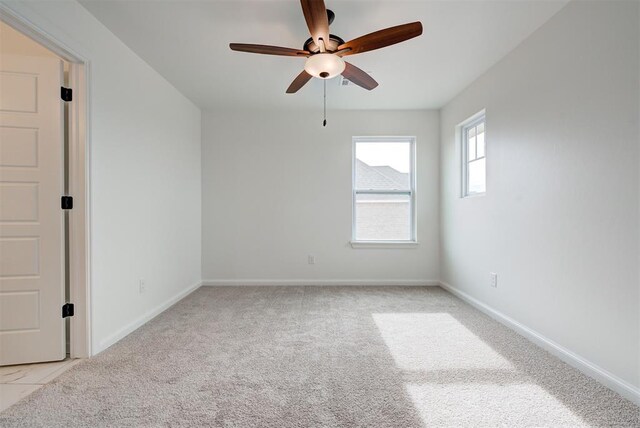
[324, 122]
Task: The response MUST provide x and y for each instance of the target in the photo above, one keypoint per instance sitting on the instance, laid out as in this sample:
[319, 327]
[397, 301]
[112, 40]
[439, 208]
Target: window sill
[384, 244]
[474, 195]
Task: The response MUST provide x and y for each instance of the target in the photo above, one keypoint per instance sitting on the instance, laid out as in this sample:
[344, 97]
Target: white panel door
[31, 221]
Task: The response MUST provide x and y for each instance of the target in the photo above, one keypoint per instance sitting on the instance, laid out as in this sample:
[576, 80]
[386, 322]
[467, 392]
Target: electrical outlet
[311, 260]
[143, 286]
[493, 279]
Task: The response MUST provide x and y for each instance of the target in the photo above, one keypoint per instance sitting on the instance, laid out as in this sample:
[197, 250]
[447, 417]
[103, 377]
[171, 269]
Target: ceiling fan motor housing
[331, 46]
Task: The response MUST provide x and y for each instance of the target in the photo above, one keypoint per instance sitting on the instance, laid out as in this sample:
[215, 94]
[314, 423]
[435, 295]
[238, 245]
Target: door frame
[79, 183]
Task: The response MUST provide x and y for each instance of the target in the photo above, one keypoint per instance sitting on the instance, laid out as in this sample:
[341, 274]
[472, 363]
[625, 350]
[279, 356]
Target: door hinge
[66, 94]
[66, 202]
[67, 310]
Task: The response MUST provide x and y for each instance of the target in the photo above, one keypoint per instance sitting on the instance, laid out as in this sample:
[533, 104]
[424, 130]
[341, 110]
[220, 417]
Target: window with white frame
[474, 162]
[384, 189]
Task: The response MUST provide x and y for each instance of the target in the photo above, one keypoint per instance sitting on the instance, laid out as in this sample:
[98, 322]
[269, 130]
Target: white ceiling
[188, 43]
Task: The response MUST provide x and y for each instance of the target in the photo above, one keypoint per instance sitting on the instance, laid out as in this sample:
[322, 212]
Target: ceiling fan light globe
[324, 65]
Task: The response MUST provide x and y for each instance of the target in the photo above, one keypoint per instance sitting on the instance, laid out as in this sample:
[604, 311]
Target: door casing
[79, 174]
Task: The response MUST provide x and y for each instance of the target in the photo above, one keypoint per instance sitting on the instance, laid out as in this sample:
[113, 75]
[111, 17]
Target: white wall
[560, 220]
[145, 174]
[277, 187]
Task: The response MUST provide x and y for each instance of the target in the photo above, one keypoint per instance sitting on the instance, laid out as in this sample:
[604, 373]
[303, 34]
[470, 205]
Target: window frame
[412, 241]
[463, 128]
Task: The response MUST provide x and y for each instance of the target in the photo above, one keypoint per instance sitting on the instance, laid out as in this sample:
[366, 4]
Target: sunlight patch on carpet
[435, 341]
[474, 404]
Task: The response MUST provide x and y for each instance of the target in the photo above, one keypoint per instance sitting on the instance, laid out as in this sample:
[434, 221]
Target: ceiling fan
[324, 51]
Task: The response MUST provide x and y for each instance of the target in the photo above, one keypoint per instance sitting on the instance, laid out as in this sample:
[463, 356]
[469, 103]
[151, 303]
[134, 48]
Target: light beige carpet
[322, 357]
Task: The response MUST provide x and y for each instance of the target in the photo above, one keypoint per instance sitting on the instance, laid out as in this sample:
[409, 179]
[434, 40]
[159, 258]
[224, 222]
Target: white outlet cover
[493, 279]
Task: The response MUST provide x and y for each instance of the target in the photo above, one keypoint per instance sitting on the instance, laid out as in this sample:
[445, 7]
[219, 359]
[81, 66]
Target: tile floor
[16, 382]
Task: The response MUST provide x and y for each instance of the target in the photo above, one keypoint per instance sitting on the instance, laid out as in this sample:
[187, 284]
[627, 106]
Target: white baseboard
[603, 376]
[303, 282]
[146, 317]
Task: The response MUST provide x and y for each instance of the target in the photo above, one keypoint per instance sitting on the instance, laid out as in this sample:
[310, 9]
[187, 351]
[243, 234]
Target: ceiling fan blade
[315, 13]
[359, 77]
[299, 82]
[267, 50]
[382, 38]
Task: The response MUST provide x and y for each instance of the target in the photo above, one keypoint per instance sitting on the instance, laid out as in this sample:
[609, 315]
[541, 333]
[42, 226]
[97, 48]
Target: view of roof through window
[381, 177]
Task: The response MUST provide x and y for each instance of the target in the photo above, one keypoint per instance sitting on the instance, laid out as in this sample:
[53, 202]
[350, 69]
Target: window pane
[383, 166]
[471, 144]
[480, 141]
[383, 217]
[480, 128]
[477, 176]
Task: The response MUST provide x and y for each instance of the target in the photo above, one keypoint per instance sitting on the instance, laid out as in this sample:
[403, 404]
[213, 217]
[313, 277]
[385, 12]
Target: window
[383, 190]
[474, 168]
